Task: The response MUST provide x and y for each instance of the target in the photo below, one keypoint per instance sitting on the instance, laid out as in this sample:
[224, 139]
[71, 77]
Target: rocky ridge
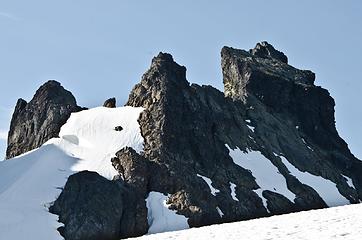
[189, 132]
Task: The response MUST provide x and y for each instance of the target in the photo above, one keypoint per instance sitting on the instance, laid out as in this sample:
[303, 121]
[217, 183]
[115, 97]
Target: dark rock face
[34, 123]
[265, 50]
[135, 171]
[268, 106]
[110, 103]
[94, 208]
[91, 207]
[304, 110]
[186, 127]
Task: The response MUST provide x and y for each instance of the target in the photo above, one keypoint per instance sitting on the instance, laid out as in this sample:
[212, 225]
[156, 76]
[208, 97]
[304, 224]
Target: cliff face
[268, 107]
[267, 145]
[36, 122]
[305, 110]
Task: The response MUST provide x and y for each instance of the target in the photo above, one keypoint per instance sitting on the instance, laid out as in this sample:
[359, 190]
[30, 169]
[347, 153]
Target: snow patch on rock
[233, 193]
[267, 176]
[221, 214]
[326, 189]
[209, 182]
[349, 181]
[160, 217]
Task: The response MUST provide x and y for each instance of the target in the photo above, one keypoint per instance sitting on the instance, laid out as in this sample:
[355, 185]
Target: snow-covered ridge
[30, 182]
[338, 223]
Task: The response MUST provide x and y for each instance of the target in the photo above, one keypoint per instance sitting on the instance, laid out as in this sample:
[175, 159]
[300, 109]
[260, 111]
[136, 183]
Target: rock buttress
[36, 122]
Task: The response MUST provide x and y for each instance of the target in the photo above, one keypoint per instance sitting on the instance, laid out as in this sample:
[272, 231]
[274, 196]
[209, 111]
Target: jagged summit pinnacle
[266, 50]
[244, 71]
[163, 57]
[164, 63]
[53, 91]
[164, 77]
[40, 119]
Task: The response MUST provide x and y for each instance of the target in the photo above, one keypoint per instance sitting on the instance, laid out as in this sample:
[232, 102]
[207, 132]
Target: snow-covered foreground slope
[30, 182]
[324, 224]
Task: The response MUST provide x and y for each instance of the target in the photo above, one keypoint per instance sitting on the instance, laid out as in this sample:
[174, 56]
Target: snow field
[336, 223]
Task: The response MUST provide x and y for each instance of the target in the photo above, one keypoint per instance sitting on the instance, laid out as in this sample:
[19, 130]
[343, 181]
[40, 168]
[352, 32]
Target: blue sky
[100, 49]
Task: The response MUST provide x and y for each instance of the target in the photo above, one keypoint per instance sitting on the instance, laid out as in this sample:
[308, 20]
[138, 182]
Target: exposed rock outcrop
[110, 103]
[266, 50]
[189, 131]
[186, 127]
[93, 208]
[306, 111]
[36, 122]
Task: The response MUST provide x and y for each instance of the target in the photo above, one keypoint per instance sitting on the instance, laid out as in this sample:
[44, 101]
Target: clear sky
[99, 49]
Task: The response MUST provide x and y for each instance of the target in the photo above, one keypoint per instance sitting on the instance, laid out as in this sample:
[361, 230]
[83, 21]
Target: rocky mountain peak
[164, 77]
[53, 91]
[35, 122]
[216, 157]
[266, 50]
[245, 72]
[166, 57]
[283, 89]
[165, 65]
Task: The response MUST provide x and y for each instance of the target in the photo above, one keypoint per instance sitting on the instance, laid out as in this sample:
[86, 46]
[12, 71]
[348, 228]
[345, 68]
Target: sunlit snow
[326, 189]
[209, 182]
[160, 217]
[266, 174]
[337, 223]
[349, 181]
[233, 194]
[30, 182]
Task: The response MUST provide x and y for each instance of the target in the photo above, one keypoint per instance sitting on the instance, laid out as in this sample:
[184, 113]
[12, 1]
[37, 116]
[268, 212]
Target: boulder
[94, 208]
[110, 103]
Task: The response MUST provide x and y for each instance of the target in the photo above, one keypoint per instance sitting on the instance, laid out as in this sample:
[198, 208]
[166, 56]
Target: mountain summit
[188, 155]
[36, 122]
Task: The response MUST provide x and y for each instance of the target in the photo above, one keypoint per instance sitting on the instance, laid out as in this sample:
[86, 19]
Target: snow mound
[95, 146]
[337, 223]
[30, 182]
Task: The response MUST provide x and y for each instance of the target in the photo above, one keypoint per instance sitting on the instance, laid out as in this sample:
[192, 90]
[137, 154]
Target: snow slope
[30, 182]
[337, 223]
